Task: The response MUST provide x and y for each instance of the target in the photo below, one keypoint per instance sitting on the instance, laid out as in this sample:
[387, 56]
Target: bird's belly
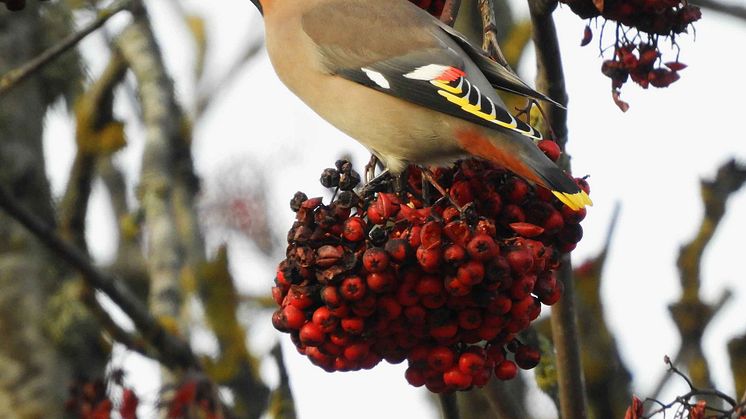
[398, 132]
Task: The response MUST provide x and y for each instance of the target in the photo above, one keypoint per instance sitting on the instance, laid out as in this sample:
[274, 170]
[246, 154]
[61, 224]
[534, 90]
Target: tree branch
[729, 9]
[551, 81]
[489, 30]
[13, 77]
[173, 351]
[96, 132]
[448, 406]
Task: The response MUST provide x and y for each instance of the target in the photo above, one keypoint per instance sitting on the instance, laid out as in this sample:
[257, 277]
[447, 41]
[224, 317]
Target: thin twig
[132, 341]
[15, 76]
[173, 351]
[489, 30]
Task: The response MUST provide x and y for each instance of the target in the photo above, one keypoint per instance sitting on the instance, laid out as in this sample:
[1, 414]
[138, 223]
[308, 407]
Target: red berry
[471, 272]
[353, 325]
[469, 319]
[352, 288]
[454, 254]
[486, 227]
[324, 318]
[458, 232]
[388, 307]
[461, 193]
[406, 295]
[398, 249]
[440, 358]
[415, 376]
[444, 331]
[278, 295]
[379, 282]
[516, 190]
[294, 317]
[356, 351]
[415, 314]
[375, 260]
[471, 363]
[583, 185]
[454, 377]
[299, 297]
[512, 214]
[482, 247]
[429, 259]
[455, 287]
[520, 261]
[526, 229]
[550, 148]
[527, 357]
[430, 235]
[354, 229]
[571, 216]
[506, 370]
[311, 334]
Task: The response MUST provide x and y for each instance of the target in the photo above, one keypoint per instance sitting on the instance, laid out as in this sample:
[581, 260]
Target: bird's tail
[550, 176]
[520, 155]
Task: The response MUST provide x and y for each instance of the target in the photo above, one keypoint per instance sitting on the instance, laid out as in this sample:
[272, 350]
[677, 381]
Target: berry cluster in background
[640, 24]
[446, 284]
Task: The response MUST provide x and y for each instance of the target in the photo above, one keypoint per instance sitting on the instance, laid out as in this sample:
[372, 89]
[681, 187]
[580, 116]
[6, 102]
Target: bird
[408, 87]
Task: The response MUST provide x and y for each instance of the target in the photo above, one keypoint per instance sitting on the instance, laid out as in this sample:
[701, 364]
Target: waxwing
[408, 87]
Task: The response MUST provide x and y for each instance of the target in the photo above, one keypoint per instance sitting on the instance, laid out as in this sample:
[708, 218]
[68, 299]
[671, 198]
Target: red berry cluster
[390, 276]
[89, 399]
[434, 7]
[636, 56]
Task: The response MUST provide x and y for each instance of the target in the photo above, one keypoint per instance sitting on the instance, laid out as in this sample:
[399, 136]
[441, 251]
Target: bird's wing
[402, 53]
[499, 73]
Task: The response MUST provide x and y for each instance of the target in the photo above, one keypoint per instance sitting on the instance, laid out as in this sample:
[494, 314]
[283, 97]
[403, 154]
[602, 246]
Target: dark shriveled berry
[298, 199]
[329, 178]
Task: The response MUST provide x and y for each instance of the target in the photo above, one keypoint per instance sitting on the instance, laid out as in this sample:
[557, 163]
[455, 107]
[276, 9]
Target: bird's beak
[258, 6]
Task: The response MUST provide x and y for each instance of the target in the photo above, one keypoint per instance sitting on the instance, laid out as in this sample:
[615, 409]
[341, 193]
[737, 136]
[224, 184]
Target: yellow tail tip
[575, 201]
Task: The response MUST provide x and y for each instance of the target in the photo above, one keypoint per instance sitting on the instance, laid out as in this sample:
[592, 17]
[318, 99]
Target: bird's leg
[400, 184]
[377, 184]
[370, 168]
[428, 176]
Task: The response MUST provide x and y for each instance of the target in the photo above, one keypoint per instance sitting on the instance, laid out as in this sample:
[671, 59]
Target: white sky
[650, 159]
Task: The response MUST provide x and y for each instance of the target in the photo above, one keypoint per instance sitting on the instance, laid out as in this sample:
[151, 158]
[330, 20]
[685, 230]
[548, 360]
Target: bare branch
[13, 77]
[729, 9]
[551, 81]
[282, 405]
[489, 30]
[448, 406]
[173, 351]
[132, 341]
[96, 132]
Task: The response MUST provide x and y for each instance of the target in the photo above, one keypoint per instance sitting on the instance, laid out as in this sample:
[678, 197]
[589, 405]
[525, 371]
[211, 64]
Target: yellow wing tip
[575, 201]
